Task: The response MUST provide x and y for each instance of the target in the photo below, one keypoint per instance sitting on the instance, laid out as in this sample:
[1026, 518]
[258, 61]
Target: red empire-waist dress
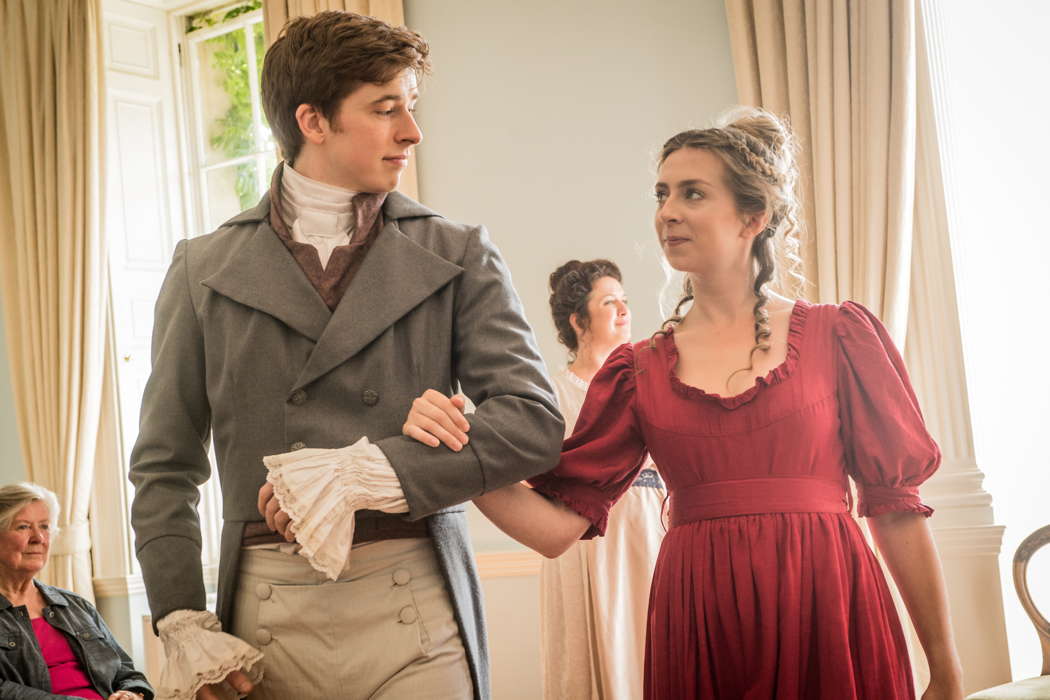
[765, 586]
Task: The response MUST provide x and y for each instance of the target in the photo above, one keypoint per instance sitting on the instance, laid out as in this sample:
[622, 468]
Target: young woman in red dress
[757, 408]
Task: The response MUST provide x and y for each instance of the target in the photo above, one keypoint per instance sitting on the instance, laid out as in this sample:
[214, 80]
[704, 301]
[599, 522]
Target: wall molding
[121, 35]
[119, 587]
[132, 584]
[975, 541]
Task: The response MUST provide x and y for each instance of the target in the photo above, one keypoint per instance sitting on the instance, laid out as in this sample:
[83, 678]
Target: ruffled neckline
[574, 379]
[774, 376]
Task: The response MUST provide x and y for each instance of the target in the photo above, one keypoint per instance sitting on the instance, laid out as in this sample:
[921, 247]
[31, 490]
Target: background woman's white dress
[594, 598]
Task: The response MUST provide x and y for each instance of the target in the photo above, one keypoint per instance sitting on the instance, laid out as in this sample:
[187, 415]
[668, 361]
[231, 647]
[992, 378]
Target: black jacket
[23, 672]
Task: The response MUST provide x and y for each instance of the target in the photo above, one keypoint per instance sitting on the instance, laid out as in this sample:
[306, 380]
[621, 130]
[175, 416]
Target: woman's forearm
[547, 527]
[906, 543]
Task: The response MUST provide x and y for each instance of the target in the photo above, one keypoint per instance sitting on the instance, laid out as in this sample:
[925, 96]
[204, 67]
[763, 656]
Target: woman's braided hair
[758, 150]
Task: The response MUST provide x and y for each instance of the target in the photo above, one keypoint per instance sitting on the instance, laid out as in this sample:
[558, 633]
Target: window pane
[268, 144]
[226, 107]
[230, 190]
[269, 160]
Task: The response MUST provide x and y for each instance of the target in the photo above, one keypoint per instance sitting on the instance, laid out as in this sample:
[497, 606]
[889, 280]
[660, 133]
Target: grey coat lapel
[395, 277]
[262, 274]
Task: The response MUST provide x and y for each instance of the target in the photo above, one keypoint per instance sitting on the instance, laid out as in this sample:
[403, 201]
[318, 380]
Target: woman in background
[55, 644]
[593, 598]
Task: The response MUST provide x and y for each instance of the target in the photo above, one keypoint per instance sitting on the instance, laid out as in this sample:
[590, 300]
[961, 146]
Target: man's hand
[125, 695]
[238, 679]
[269, 508]
[435, 418]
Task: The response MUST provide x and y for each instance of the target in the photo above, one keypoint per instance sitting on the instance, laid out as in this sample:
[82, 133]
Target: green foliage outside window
[209, 18]
[233, 134]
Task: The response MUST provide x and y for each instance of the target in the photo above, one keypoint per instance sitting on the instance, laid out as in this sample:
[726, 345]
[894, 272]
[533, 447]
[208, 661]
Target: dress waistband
[777, 494]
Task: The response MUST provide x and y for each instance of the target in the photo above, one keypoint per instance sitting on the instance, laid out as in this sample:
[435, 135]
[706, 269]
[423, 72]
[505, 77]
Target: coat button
[263, 590]
[369, 397]
[263, 636]
[298, 445]
[11, 644]
[298, 397]
[402, 576]
[407, 615]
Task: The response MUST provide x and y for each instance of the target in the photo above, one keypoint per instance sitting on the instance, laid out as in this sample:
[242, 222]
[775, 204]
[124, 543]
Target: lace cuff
[321, 489]
[197, 653]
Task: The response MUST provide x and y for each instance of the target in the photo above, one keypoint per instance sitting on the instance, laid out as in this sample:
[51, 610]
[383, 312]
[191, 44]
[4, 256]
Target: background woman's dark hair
[571, 285]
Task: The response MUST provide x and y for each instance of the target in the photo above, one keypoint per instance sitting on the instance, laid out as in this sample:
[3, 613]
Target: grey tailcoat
[238, 329]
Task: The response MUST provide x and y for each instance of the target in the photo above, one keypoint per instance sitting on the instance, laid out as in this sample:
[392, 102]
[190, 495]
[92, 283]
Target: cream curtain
[277, 12]
[844, 73]
[52, 265]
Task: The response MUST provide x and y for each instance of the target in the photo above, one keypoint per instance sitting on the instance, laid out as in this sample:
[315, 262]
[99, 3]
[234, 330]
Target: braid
[754, 152]
[791, 281]
[676, 317]
[762, 252]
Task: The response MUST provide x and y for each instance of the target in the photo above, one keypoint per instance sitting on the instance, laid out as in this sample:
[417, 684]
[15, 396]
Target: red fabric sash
[777, 494]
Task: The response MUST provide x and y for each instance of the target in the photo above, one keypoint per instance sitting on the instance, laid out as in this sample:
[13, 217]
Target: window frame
[191, 107]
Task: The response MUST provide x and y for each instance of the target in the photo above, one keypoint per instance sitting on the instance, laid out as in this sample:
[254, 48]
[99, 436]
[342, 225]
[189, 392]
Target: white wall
[542, 120]
[12, 463]
[997, 187]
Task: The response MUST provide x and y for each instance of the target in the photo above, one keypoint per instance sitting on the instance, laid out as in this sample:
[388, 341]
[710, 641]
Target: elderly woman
[53, 643]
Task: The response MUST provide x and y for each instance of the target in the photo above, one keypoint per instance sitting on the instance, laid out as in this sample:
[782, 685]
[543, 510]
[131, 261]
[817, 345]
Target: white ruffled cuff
[321, 489]
[197, 653]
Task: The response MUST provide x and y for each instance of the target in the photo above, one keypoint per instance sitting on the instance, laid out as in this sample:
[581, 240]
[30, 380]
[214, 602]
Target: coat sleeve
[170, 458]
[517, 430]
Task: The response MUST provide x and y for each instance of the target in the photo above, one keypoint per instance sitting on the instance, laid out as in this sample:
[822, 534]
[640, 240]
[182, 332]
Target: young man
[312, 321]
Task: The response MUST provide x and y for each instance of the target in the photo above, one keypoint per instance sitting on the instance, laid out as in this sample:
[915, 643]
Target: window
[232, 151]
[187, 148]
[994, 152]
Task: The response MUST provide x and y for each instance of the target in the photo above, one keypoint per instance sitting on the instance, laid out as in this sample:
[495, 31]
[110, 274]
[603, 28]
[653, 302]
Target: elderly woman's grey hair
[15, 497]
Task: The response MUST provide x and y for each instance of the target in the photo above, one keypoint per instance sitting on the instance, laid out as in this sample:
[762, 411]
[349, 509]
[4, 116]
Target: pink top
[67, 675]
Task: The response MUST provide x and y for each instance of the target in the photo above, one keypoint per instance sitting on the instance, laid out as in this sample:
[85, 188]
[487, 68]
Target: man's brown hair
[321, 59]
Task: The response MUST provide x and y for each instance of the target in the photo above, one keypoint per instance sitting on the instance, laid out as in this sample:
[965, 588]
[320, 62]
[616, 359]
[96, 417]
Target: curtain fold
[844, 73]
[277, 12]
[53, 263]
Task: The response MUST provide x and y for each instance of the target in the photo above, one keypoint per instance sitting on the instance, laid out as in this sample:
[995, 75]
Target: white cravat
[321, 215]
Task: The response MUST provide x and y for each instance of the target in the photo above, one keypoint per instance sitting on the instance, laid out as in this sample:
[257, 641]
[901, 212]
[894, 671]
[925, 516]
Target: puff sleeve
[605, 452]
[888, 449]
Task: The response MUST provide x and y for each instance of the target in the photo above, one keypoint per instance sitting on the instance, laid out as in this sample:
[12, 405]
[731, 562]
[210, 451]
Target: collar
[306, 193]
[51, 595]
[396, 206]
